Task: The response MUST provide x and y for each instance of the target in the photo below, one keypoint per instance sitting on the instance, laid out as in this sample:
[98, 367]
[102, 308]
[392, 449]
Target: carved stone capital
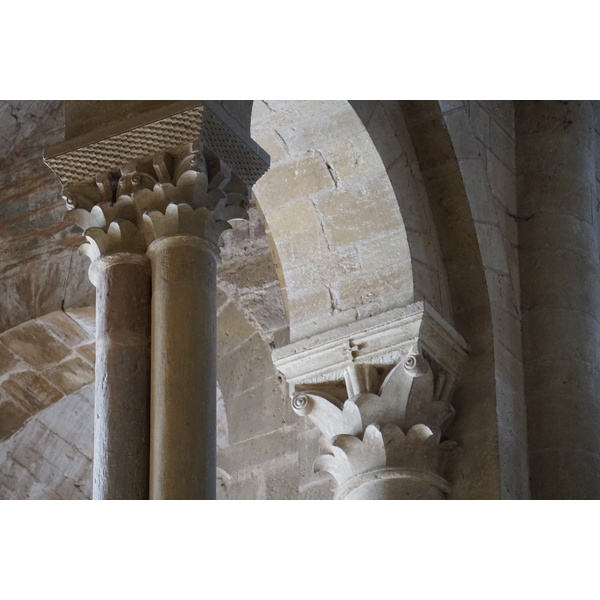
[379, 391]
[185, 168]
[188, 191]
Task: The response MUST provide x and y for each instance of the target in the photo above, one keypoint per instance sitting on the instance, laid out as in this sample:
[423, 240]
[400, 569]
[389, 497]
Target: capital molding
[184, 168]
[379, 392]
[380, 341]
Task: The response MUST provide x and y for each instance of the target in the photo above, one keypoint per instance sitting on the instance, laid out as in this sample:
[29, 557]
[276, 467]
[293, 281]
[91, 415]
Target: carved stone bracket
[382, 434]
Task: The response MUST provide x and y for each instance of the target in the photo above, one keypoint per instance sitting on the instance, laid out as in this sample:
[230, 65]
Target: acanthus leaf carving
[399, 428]
[189, 191]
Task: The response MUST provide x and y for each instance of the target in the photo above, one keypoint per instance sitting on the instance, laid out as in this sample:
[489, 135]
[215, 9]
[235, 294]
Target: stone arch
[338, 237]
[475, 257]
[384, 123]
[485, 154]
[43, 360]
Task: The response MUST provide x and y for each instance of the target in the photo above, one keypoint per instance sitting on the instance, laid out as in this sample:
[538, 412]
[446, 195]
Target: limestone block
[235, 376]
[70, 375]
[292, 181]
[351, 159]
[7, 360]
[12, 415]
[35, 344]
[427, 286]
[556, 378]
[564, 323]
[448, 105]
[22, 484]
[478, 189]
[562, 424]
[298, 231]
[44, 454]
[65, 329]
[577, 159]
[88, 352]
[238, 458]
[254, 270]
[554, 286]
[542, 195]
[501, 291]
[257, 411]
[272, 142]
[311, 130]
[503, 182]
[480, 122]
[563, 231]
[378, 127]
[493, 246]
[503, 145]
[362, 290]
[502, 111]
[512, 424]
[463, 139]
[30, 390]
[248, 486]
[281, 477]
[407, 183]
[79, 427]
[270, 313]
[350, 215]
[233, 329]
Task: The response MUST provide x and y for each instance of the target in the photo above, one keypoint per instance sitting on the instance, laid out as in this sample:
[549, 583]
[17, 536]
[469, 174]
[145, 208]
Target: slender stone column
[120, 271]
[154, 178]
[122, 407]
[560, 280]
[184, 375]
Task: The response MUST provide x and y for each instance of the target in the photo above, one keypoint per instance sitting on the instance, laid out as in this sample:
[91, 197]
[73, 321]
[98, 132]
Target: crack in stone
[331, 170]
[287, 150]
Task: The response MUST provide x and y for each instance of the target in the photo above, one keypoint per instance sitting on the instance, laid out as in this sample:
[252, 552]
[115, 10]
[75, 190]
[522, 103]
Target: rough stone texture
[39, 273]
[41, 361]
[51, 457]
[122, 370]
[369, 206]
[312, 209]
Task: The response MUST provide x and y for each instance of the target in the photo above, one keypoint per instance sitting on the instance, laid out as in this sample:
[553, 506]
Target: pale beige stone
[35, 344]
[70, 375]
[65, 329]
[30, 390]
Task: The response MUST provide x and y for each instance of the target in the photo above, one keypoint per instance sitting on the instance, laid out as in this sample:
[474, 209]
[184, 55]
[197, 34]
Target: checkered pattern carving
[197, 123]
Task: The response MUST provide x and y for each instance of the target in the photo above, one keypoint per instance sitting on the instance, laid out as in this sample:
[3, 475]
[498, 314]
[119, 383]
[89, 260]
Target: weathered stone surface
[65, 329]
[30, 390]
[8, 360]
[34, 344]
[13, 416]
[70, 375]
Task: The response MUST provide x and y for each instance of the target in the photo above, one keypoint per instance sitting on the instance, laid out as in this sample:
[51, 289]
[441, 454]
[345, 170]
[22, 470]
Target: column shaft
[560, 279]
[183, 416]
[122, 405]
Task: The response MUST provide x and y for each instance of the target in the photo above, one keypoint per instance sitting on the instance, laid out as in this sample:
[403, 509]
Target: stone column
[161, 164]
[184, 373]
[383, 436]
[121, 274]
[185, 208]
[560, 281]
